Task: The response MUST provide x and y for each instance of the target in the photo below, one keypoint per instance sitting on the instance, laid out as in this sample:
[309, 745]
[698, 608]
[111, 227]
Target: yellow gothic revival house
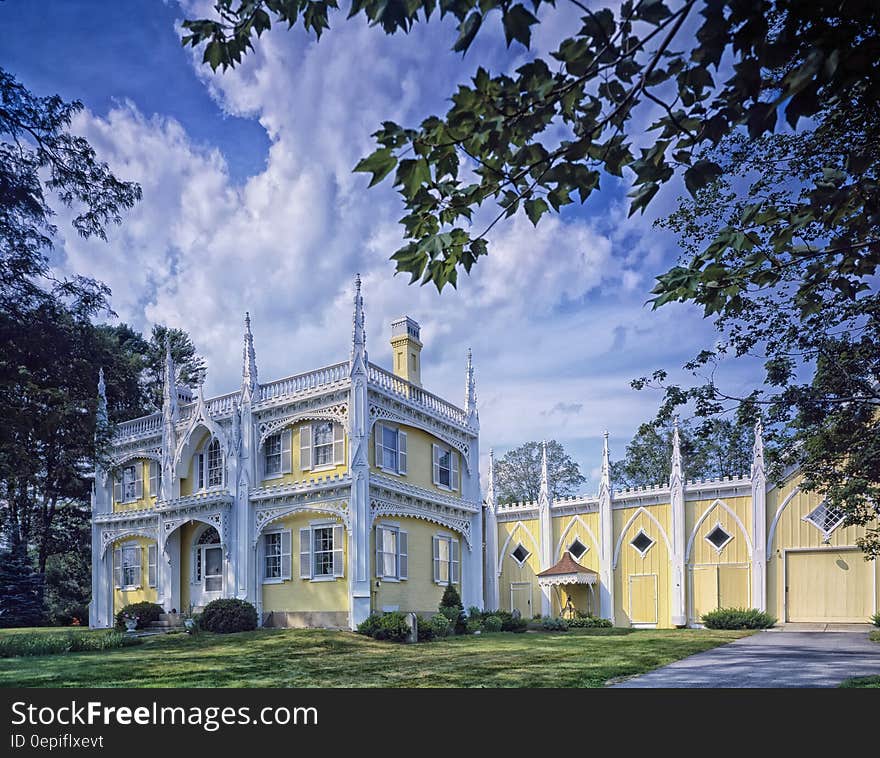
[328, 495]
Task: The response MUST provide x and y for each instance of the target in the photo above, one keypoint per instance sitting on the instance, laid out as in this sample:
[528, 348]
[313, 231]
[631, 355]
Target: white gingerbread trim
[337, 413]
[263, 517]
[715, 504]
[383, 508]
[629, 523]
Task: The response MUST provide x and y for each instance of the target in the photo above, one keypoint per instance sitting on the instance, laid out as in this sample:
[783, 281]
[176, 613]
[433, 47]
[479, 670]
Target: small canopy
[567, 571]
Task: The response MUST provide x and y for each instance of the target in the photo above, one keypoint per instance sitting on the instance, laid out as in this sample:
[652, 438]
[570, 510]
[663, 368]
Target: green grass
[865, 682]
[319, 658]
[60, 640]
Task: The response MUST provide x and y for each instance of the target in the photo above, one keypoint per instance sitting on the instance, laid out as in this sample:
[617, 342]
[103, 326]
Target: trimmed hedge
[492, 623]
[554, 624]
[228, 615]
[589, 622]
[737, 618]
[145, 612]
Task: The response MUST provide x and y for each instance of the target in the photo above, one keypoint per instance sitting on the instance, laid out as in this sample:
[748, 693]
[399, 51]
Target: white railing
[394, 384]
[292, 385]
[218, 406]
[139, 426]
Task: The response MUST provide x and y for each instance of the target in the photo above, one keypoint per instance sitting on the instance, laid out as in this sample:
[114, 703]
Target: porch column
[759, 523]
[606, 539]
[101, 606]
[676, 490]
[169, 573]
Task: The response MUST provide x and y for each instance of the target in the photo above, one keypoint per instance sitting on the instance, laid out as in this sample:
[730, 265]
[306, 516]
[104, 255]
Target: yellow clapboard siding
[643, 598]
[830, 585]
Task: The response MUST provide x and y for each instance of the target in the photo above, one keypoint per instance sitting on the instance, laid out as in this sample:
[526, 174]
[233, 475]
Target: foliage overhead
[544, 136]
[518, 473]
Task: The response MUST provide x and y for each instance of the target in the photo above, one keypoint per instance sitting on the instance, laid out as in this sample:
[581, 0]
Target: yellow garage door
[829, 585]
[643, 599]
[724, 585]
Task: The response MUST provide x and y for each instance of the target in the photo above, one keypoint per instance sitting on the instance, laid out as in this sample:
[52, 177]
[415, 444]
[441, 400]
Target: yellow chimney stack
[407, 349]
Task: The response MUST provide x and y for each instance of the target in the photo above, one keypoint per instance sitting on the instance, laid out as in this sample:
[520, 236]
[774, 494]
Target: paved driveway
[772, 659]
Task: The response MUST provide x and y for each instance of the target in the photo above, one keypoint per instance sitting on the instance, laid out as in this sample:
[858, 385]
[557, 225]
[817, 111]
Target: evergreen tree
[21, 592]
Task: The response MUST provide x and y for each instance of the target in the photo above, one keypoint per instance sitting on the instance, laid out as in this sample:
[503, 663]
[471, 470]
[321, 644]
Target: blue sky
[250, 204]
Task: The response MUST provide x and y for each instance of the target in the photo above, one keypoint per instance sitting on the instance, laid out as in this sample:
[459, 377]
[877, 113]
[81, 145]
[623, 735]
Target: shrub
[474, 612]
[536, 617]
[440, 625]
[369, 625]
[515, 625]
[737, 618]
[54, 643]
[554, 625]
[451, 607]
[424, 630]
[585, 621]
[392, 627]
[875, 619]
[492, 624]
[228, 615]
[145, 613]
[474, 624]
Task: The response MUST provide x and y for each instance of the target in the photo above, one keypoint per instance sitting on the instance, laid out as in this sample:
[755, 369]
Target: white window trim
[826, 533]
[585, 547]
[379, 461]
[450, 538]
[394, 526]
[203, 454]
[134, 498]
[138, 585]
[519, 562]
[718, 548]
[454, 467]
[321, 524]
[644, 552]
[274, 579]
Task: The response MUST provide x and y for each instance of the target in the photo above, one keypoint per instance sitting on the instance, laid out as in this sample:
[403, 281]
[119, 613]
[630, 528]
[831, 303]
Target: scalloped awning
[567, 571]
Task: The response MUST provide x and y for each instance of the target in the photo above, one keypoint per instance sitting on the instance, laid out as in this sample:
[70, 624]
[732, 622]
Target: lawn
[319, 658]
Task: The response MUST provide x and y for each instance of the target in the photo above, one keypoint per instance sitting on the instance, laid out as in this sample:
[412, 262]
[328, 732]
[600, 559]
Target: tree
[544, 136]
[189, 364]
[718, 448]
[21, 592]
[811, 312]
[518, 473]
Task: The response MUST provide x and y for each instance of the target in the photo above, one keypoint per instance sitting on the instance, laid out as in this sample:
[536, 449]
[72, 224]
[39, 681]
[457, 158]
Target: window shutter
[305, 448]
[200, 465]
[154, 479]
[117, 567]
[403, 558]
[436, 475]
[380, 559]
[453, 462]
[401, 453]
[377, 437]
[152, 554]
[436, 544]
[453, 561]
[138, 566]
[286, 436]
[138, 480]
[196, 573]
[338, 444]
[338, 551]
[117, 489]
[285, 554]
[305, 553]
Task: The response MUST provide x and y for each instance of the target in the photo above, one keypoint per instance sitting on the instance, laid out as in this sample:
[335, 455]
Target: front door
[521, 598]
[212, 560]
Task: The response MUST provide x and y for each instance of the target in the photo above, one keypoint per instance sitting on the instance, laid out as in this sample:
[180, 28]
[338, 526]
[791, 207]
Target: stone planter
[130, 624]
[190, 624]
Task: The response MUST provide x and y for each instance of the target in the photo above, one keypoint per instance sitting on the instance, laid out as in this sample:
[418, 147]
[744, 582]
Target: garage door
[643, 599]
[829, 585]
[723, 585]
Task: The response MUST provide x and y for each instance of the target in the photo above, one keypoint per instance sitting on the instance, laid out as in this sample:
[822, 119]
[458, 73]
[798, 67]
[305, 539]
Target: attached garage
[830, 585]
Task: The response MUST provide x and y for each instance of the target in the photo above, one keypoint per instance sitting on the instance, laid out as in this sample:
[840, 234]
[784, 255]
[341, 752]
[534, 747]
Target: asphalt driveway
[772, 659]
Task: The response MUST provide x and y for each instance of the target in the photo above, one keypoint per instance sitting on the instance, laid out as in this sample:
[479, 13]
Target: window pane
[273, 454]
[215, 464]
[389, 553]
[389, 449]
[446, 468]
[323, 443]
[323, 550]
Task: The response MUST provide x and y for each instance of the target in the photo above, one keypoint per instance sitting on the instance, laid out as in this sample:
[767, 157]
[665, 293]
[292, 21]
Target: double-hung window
[446, 559]
[127, 566]
[391, 553]
[391, 454]
[152, 565]
[445, 467]
[276, 556]
[321, 445]
[155, 479]
[129, 483]
[321, 551]
[276, 454]
[210, 466]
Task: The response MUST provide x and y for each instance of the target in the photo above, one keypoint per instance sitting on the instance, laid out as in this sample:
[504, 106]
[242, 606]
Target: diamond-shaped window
[826, 518]
[577, 549]
[520, 554]
[718, 537]
[642, 542]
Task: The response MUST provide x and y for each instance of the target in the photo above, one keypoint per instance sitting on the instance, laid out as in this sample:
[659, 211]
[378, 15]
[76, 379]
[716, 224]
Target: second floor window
[445, 467]
[391, 449]
[210, 466]
[273, 454]
[129, 483]
[321, 445]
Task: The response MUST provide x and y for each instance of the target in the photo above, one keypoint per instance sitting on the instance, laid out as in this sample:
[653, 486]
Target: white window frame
[518, 561]
[153, 565]
[571, 544]
[826, 533]
[718, 548]
[401, 553]
[400, 450]
[136, 483]
[283, 575]
[454, 468]
[155, 479]
[309, 448]
[644, 552]
[453, 570]
[131, 547]
[201, 464]
[271, 439]
[307, 557]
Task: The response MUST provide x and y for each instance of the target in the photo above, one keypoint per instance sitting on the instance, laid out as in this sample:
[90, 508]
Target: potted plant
[130, 621]
[189, 620]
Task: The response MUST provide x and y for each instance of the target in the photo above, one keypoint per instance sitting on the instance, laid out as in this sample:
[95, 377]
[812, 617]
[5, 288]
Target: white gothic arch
[576, 520]
[517, 525]
[779, 511]
[641, 509]
[718, 502]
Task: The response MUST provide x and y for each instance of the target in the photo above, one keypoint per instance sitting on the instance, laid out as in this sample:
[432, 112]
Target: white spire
[758, 451]
[249, 382]
[169, 390]
[470, 391]
[490, 483]
[359, 357]
[676, 473]
[545, 483]
[605, 483]
[102, 400]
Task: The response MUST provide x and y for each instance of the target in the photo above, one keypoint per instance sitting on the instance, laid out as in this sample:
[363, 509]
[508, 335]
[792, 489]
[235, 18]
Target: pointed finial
[169, 389]
[545, 488]
[470, 396]
[676, 473]
[249, 381]
[359, 335]
[758, 450]
[490, 481]
[606, 460]
[102, 400]
[102, 388]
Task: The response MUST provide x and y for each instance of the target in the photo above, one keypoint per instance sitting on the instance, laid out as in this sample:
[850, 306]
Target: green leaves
[379, 164]
[535, 209]
[518, 24]
[467, 30]
[700, 174]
